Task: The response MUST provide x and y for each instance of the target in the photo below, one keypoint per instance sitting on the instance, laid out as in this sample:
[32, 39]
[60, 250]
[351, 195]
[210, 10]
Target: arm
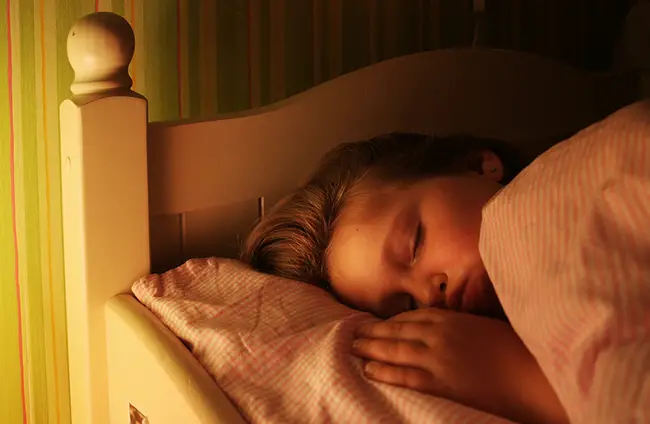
[529, 395]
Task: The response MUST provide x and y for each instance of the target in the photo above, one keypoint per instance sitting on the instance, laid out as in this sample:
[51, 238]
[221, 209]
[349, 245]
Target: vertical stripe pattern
[574, 229]
[181, 52]
[254, 51]
[13, 219]
[56, 326]
[194, 59]
[305, 367]
[276, 35]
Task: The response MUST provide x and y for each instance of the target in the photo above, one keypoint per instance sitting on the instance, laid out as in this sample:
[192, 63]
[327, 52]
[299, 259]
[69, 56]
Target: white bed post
[105, 198]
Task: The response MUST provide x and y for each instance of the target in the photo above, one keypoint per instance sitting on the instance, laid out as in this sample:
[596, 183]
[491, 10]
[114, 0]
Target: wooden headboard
[206, 179]
[140, 196]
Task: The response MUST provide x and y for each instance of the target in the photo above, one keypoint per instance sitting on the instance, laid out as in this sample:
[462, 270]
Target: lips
[476, 296]
[472, 296]
[468, 296]
[455, 298]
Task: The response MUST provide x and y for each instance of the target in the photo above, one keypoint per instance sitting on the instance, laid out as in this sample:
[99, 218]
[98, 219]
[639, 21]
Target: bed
[143, 197]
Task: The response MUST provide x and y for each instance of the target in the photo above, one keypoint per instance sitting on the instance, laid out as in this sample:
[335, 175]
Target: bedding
[567, 246]
[280, 349]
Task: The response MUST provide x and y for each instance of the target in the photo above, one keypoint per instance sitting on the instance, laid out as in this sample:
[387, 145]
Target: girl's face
[399, 248]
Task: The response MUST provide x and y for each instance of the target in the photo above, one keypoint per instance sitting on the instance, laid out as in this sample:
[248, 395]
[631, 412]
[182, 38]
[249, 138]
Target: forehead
[368, 207]
[368, 202]
[355, 250]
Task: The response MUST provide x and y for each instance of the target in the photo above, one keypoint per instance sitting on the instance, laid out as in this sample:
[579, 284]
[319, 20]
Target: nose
[431, 291]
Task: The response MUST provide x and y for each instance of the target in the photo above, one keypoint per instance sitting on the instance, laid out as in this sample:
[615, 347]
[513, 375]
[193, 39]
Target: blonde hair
[291, 241]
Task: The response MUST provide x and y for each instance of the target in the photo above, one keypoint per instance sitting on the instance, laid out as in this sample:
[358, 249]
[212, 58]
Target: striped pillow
[567, 245]
[280, 349]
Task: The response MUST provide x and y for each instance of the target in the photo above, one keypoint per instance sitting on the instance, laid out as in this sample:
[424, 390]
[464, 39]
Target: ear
[493, 166]
[487, 164]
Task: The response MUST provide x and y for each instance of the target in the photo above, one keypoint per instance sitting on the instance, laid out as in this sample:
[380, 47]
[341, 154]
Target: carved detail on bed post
[105, 207]
[100, 48]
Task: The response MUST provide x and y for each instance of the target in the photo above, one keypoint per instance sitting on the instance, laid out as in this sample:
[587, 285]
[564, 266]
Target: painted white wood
[105, 206]
[154, 372]
[514, 96]
[100, 48]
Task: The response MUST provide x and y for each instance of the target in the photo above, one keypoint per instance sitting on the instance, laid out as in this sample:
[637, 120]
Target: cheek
[456, 244]
[466, 228]
[454, 235]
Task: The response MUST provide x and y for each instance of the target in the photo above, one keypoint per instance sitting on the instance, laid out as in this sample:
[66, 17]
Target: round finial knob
[100, 48]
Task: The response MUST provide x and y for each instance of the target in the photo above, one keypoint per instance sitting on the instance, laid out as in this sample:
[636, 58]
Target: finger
[412, 378]
[413, 331]
[433, 315]
[396, 352]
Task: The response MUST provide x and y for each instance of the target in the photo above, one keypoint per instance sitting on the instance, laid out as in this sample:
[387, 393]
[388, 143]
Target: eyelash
[417, 242]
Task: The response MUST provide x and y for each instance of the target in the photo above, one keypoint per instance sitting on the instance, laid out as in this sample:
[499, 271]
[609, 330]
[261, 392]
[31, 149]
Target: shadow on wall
[231, 55]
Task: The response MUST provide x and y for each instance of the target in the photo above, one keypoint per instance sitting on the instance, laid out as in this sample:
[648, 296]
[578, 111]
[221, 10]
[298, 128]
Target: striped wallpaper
[195, 58]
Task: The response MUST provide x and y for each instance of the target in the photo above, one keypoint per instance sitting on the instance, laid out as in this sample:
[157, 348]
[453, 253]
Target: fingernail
[370, 368]
[356, 345]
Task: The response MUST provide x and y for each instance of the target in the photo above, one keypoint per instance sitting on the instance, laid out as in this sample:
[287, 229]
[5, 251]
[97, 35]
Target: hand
[477, 361]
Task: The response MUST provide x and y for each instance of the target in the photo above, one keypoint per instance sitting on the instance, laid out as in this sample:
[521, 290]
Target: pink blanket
[567, 245]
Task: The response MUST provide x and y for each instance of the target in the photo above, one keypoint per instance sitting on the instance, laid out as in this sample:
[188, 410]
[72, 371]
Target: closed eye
[418, 237]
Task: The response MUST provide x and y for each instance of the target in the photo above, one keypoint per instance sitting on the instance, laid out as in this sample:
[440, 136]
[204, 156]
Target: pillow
[567, 246]
[280, 349]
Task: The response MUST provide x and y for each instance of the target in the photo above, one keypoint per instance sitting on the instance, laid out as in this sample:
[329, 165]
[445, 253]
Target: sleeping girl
[391, 226]
[525, 297]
